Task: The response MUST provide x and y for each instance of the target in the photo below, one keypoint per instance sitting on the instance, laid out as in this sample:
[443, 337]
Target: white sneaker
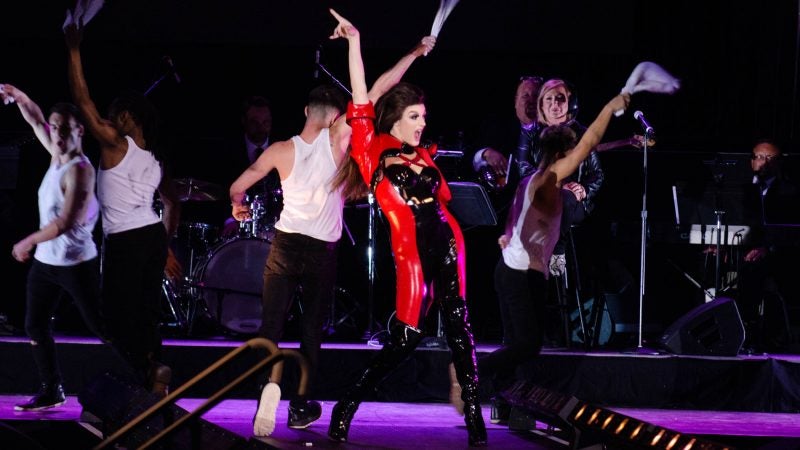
[264, 422]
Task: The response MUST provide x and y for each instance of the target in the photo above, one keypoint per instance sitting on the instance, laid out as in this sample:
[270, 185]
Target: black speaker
[114, 401]
[713, 328]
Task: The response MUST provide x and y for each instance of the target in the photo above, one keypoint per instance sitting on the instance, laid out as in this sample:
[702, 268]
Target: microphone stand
[155, 84]
[640, 349]
[334, 79]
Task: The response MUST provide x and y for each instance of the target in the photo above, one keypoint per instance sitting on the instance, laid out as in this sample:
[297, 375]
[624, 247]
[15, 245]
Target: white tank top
[126, 191]
[532, 248]
[309, 205]
[76, 245]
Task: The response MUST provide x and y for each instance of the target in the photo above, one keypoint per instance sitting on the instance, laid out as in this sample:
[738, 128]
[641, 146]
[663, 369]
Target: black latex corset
[415, 187]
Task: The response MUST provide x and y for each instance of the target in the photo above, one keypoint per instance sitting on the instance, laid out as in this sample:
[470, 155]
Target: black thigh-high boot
[402, 341]
[462, 346]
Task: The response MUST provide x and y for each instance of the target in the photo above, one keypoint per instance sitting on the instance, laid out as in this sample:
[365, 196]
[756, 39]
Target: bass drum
[230, 282]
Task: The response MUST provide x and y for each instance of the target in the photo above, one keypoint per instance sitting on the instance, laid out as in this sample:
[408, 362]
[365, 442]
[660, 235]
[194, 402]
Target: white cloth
[126, 191]
[445, 8]
[309, 205]
[84, 11]
[75, 245]
[648, 76]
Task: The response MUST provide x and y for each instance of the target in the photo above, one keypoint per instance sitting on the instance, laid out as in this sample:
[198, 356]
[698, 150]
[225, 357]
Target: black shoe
[501, 410]
[49, 396]
[303, 413]
[476, 429]
[341, 416]
[158, 378]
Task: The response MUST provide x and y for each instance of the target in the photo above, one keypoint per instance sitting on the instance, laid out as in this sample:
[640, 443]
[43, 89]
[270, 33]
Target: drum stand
[347, 316]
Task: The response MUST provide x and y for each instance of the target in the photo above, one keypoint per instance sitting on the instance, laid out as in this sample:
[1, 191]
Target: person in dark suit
[769, 209]
[256, 127]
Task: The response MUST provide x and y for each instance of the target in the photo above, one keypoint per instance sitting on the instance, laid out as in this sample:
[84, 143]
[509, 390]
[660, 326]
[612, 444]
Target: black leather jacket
[589, 174]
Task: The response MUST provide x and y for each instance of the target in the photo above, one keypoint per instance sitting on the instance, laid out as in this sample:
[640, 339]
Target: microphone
[316, 63]
[171, 66]
[648, 129]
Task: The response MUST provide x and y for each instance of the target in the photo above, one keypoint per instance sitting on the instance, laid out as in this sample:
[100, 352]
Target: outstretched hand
[7, 94]
[73, 35]
[344, 29]
[425, 46]
[620, 102]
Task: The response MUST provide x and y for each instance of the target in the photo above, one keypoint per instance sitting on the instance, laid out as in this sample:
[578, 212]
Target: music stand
[470, 204]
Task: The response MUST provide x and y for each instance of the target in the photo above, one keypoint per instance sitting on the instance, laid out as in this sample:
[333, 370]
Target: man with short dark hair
[64, 252]
[303, 251]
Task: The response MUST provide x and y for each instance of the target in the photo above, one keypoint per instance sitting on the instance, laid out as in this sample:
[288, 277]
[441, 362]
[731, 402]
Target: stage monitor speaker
[470, 204]
[714, 328]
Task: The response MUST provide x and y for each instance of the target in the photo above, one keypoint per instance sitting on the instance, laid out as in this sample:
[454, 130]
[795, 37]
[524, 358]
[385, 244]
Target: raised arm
[393, 76]
[569, 163]
[358, 85]
[112, 144]
[30, 112]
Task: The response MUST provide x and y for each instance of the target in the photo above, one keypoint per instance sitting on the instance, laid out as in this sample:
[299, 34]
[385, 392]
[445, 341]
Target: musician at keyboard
[770, 204]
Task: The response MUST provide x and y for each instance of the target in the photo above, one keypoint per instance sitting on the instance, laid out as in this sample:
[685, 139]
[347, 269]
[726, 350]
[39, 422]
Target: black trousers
[298, 260]
[132, 273]
[45, 286]
[521, 295]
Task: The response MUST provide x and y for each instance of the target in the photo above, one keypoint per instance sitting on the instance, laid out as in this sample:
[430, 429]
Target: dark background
[738, 65]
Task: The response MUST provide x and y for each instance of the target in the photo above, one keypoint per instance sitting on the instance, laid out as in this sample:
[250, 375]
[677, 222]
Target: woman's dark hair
[389, 108]
[348, 178]
[555, 140]
[142, 112]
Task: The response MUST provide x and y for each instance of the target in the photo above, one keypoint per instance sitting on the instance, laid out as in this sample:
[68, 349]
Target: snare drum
[230, 281]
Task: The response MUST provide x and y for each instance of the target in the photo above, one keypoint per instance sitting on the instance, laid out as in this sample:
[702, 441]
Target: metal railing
[276, 356]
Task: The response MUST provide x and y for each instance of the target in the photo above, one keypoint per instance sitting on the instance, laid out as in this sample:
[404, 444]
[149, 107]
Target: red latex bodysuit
[428, 253]
[425, 237]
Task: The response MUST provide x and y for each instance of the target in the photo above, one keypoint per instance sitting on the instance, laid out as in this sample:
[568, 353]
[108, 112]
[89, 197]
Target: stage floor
[379, 425]
[410, 410]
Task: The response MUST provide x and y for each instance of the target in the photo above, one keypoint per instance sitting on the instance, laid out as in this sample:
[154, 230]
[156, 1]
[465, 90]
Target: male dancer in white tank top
[303, 251]
[136, 240]
[64, 252]
[310, 225]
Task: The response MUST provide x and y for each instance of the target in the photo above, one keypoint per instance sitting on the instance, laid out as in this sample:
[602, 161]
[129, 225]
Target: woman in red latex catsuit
[426, 240]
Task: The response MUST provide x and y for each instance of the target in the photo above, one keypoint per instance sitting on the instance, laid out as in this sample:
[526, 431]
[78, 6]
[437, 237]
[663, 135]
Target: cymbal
[196, 190]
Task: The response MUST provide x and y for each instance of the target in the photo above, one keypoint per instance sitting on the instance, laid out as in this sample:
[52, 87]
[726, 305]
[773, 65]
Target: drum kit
[222, 266]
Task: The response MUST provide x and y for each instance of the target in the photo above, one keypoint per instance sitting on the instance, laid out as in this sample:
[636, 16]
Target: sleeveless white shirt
[126, 191]
[309, 205]
[75, 245]
[531, 247]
